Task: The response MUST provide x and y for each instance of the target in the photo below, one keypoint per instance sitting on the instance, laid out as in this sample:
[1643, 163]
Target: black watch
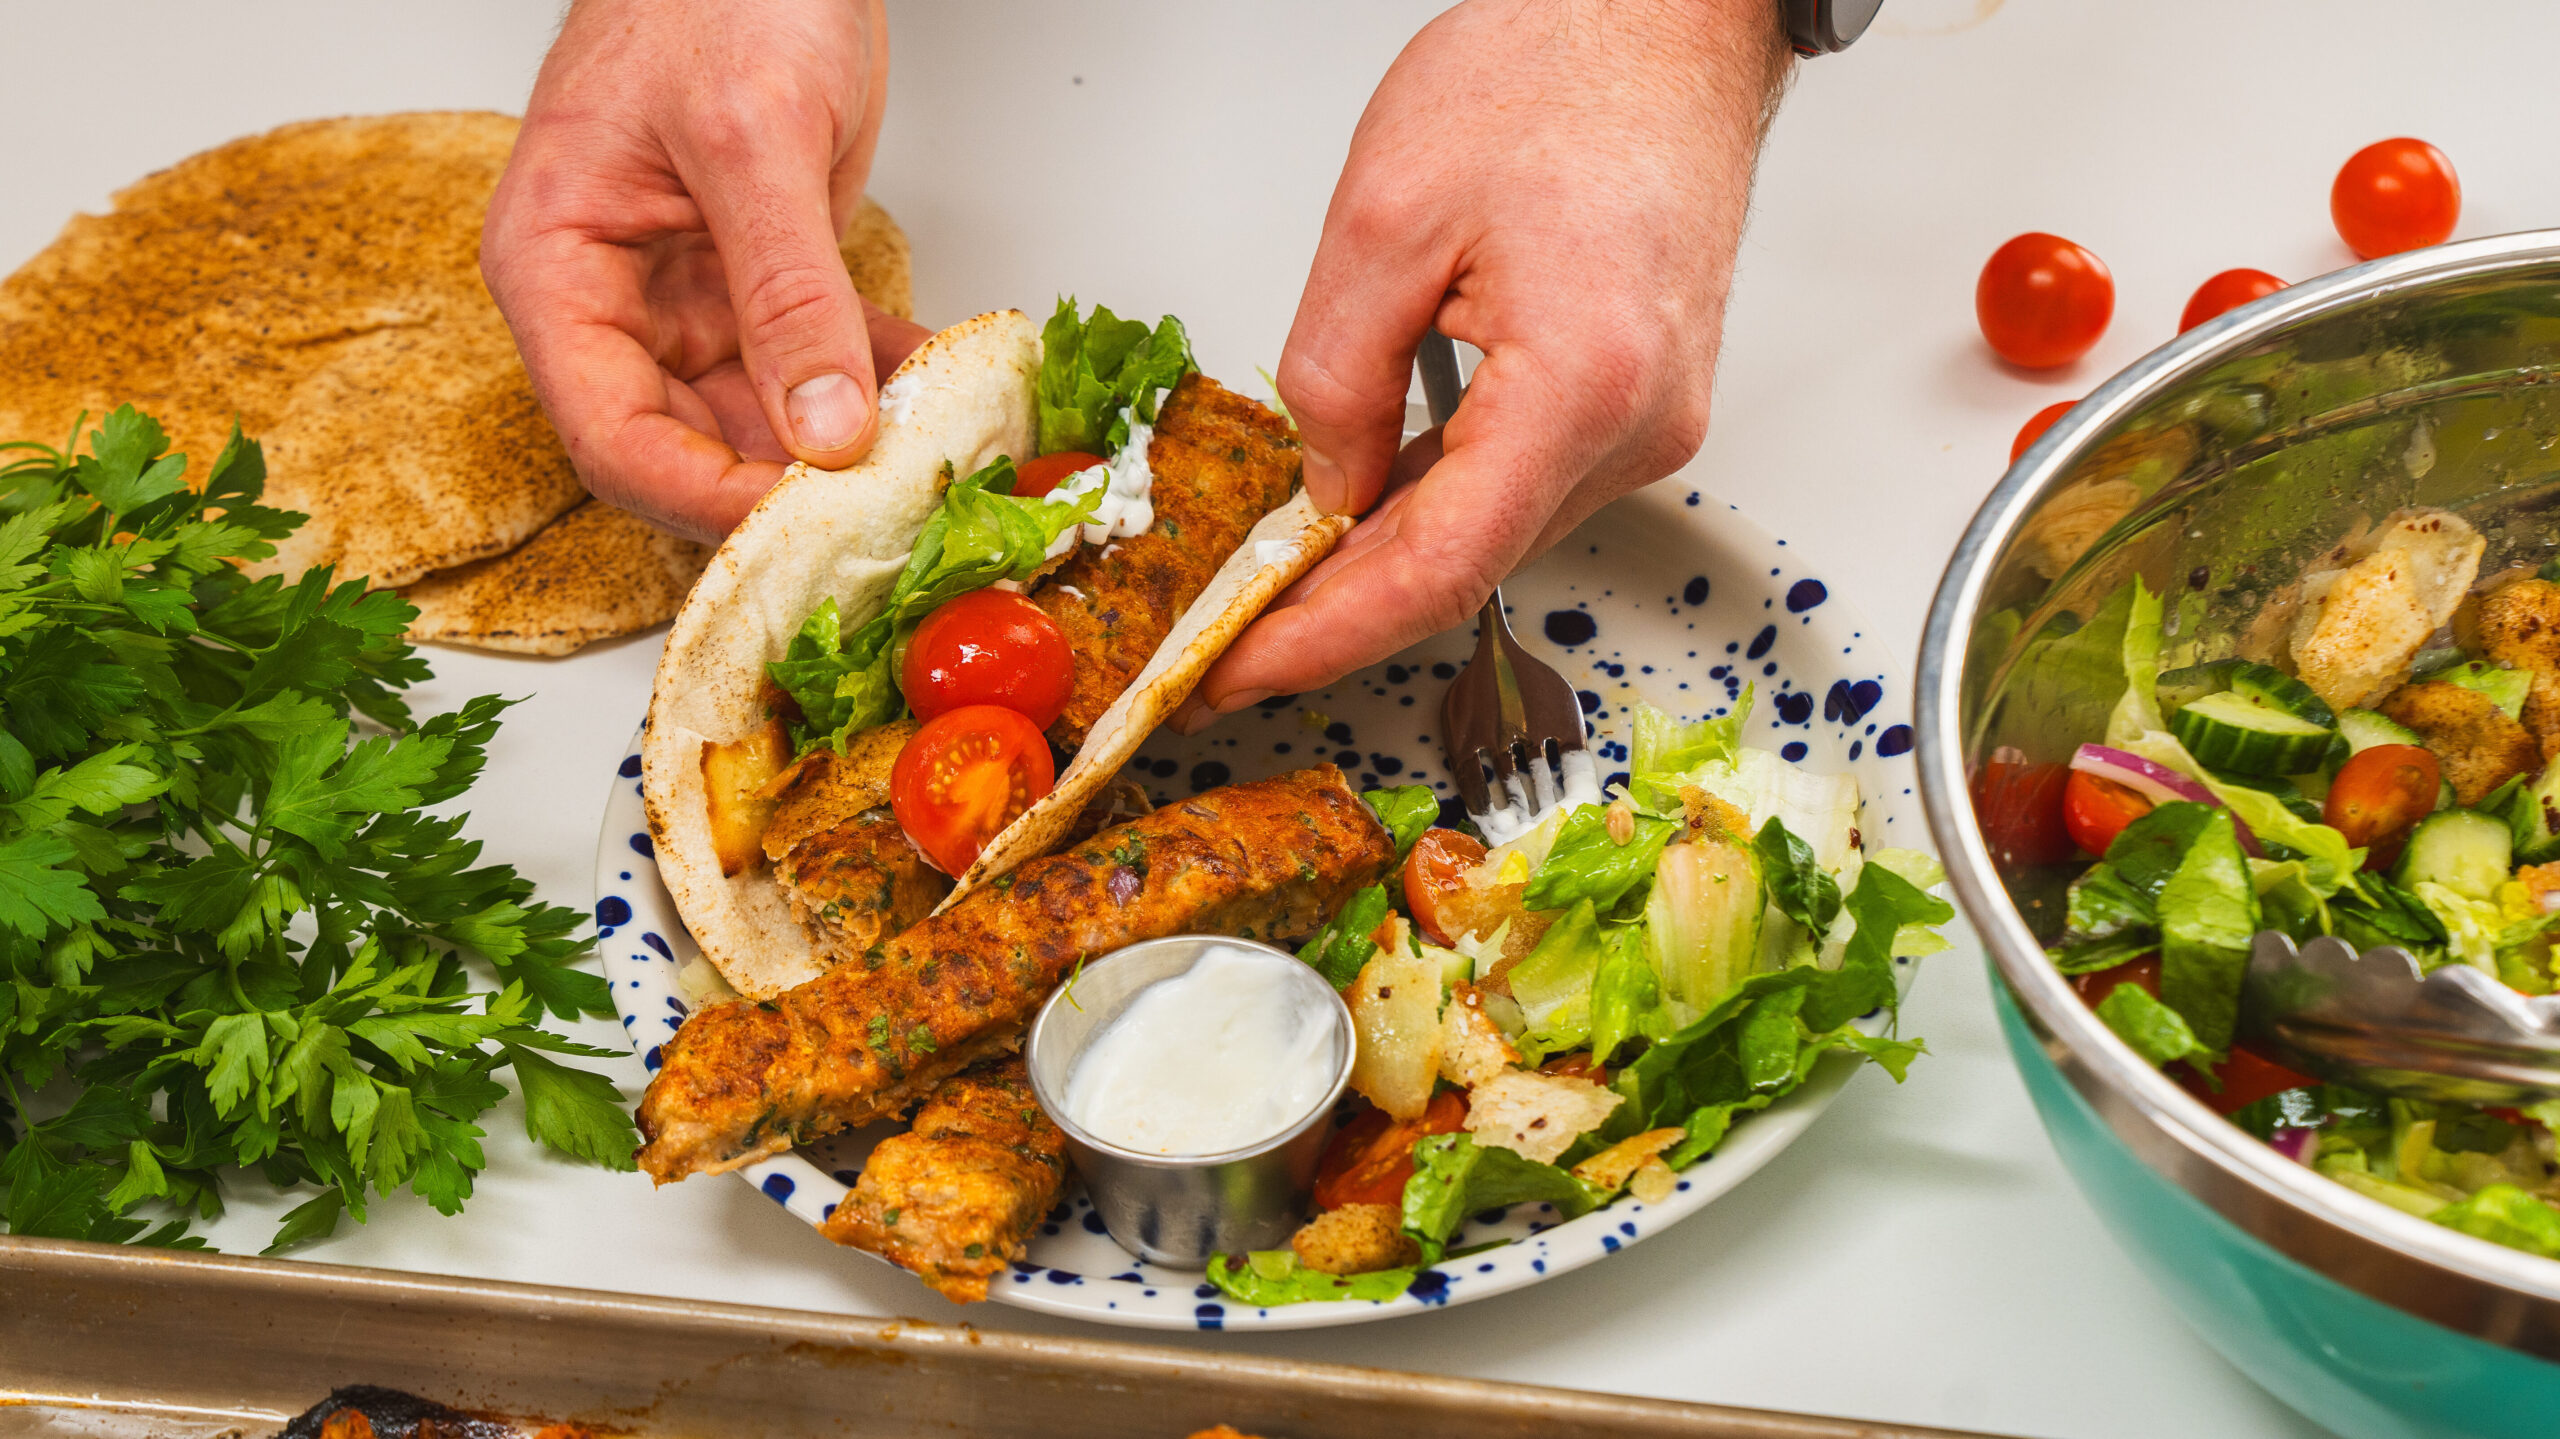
[1820, 27]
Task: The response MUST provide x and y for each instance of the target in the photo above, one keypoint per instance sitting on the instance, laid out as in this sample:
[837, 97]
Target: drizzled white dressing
[1214, 1059]
[1126, 486]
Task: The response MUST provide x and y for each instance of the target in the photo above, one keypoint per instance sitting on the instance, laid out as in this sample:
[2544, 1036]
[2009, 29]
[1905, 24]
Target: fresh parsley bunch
[229, 936]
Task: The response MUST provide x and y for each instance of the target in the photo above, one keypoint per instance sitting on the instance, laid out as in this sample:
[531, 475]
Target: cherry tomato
[1368, 1160]
[965, 776]
[2227, 291]
[1577, 1065]
[2043, 301]
[2019, 807]
[1435, 872]
[2246, 1077]
[1034, 478]
[989, 647]
[2395, 195]
[2379, 796]
[2037, 423]
[2094, 987]
[2097, 810]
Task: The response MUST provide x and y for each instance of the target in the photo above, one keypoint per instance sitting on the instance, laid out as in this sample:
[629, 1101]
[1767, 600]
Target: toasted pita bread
[592, 574]
[845, 535]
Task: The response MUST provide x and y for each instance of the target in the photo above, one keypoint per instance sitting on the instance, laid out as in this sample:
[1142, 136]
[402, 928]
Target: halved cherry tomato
[1368, 1160]
[2227, 291]
[1577, 1065]
[2246, 1077]
[2097, 810]
[2395, 195]
[2094, 987]
[965, 776]
[2037, 423]
[1034, 478]
[1435, 873]
[2379, 796]
[989, 647]
[2019, 807]
[2043, 301]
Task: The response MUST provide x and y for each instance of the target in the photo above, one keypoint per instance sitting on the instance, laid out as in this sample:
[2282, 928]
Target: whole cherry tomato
[1435, 872]
[989, 647]
[2037, 423]
[2379, 796]
[1034, 478]
[2019, 807]
[2395, 195]
[965, 776]
[2094, 987]
[2227, 291]
[2246, 1077]
[2043, 301]
[1368, 1160]
[2097, 810]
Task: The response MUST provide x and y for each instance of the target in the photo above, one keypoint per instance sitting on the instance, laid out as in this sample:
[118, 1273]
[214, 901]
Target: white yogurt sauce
[1213, 1059]
[1267, 553]
[1522, 805]
[1127, 486]
[898, 397]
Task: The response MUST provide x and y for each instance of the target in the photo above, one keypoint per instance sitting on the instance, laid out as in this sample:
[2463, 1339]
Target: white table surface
[1919, 1256]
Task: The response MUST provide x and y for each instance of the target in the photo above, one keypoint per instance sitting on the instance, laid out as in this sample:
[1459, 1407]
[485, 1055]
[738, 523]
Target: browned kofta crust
[1267, 860]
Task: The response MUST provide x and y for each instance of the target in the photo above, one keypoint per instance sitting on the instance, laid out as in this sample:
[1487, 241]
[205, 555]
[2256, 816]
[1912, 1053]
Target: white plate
[1671, 597]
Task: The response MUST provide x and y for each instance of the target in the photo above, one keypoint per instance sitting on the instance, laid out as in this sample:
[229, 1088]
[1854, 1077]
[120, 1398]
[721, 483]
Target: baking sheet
[104, 1342]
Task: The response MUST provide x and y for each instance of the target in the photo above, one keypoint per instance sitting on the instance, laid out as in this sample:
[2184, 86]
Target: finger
[893, 337]
[576, 308]
[1376, 282]
[764, 188]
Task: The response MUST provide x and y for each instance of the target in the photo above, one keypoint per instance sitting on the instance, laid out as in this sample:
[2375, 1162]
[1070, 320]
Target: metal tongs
[2375, 1022]
[1508, 712]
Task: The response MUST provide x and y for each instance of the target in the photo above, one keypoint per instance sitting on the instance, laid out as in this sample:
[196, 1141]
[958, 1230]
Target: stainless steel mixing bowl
[2214, 468]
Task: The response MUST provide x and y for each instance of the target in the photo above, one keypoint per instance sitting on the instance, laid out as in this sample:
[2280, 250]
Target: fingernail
[1239, 700]
[1326, 484]
[827, 412]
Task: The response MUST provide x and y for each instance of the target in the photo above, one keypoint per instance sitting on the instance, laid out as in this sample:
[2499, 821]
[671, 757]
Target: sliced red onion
[2156, 782]
[2298, 1145]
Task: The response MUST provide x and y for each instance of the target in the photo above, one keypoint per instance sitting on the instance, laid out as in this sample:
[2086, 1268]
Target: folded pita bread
[845, 535]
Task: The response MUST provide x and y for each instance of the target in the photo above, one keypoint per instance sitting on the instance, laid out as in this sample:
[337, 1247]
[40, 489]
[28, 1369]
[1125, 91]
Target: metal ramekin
[2214, 467]
[1178, 1210]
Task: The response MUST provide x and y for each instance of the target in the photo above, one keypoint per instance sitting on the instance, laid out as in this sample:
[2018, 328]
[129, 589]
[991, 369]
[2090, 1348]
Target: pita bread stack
[321, 282]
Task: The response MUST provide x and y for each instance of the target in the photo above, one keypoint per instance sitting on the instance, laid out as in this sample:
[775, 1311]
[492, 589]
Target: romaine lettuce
[2155, 1031]
[1797, 883]
[1586, 865]
[1454, 1176]
[1552, 983]
[2504, 1214]
[1338, 950]
[1406, 810]
[1269, 1278]
[2208, 915]
[1095, 375]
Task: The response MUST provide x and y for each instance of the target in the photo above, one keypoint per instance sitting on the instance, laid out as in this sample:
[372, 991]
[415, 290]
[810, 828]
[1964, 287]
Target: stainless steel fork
[1511, 727]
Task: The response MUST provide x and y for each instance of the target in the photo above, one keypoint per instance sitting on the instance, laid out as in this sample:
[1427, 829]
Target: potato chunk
[1395, 1015]
[734, 778]
[2363, 621]
[1356, 1239]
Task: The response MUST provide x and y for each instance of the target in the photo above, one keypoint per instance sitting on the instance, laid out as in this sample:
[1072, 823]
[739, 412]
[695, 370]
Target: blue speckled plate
[1669, 596]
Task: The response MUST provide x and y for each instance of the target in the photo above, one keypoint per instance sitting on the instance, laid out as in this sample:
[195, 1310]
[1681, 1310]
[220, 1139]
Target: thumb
[801, 335]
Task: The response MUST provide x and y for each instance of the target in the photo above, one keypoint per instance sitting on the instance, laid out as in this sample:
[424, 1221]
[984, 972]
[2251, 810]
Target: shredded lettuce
[979, 534]
[2471, 926]
[1096, 374]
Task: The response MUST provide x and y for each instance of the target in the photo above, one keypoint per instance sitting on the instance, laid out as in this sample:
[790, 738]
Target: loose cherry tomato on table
[2096, 810]
[2037, 423]
[989, 647]
[1034, 478]
[2395, 195]
[1435, 875]
[2043, 301]
[2094, 987]
[2227, 291]
[965, 776]
[2019, 807]
[1368, 1160]
[2379, 796]
[2246, 1077]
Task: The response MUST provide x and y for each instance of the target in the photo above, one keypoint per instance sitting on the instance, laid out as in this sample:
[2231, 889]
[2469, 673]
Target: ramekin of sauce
[1192, 1076]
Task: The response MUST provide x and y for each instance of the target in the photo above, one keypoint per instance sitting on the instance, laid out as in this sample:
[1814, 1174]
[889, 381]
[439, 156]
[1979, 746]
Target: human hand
[1562, 184]
[663, 245]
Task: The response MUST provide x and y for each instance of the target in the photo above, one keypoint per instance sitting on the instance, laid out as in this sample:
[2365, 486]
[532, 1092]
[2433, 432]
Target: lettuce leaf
[2137, 711]
[2208, 915]
[2155, 1031]
[1626, 996]
[1882, 906]
[1406, 810]
[1552, 983]
[2504, 1214]
[1340, 948]
[1096, 374]
[1269, 1278]
[1454, 1176]
[1662, 745]
[2328, 860]
[1586, 865]
[1798, 884]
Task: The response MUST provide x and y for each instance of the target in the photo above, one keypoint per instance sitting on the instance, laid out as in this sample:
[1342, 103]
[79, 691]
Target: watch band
[1823, 27]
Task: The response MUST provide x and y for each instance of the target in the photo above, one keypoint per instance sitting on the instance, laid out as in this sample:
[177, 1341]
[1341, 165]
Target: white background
[1919, 1256]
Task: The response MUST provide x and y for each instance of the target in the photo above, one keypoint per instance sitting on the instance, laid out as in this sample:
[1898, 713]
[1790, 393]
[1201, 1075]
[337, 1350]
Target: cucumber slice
[2463, 850]
[2505, 688]
[2534, 816]
[2281, 692]
[2287, 793]
[2363, 729]
[2231, 731]
[2180, 688]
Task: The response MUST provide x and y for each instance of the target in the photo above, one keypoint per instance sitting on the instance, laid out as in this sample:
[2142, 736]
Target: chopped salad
[1587, 1009]
[2379, 772]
